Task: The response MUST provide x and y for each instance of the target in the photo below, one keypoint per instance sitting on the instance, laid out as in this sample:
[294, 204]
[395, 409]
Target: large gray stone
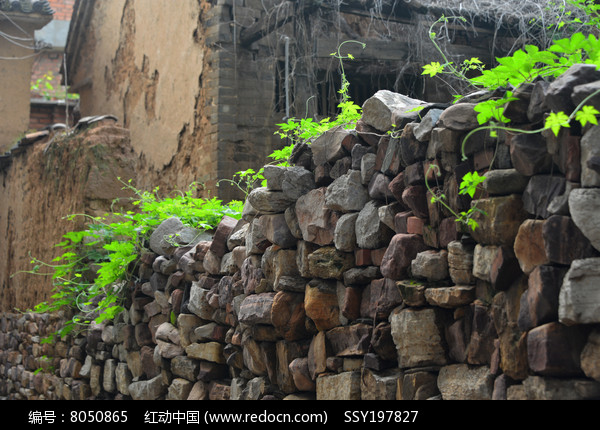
[171, 234]
[346, 193]
[371, 233]
[344, 237]
[558, 94]
[297, 181]
[423, 130]
[316, 222]
[431, 265]
[152, 389]
[328, 148]
[584, 205]
[590, 148]
[459, 117]
[198, 303]
[422, 347]
[462, 382]
[384, 108]
[503, 182]
[579, 298]
[256, 308]
[266, 201]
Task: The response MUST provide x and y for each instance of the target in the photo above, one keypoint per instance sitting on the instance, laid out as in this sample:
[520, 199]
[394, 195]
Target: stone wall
[344, 281]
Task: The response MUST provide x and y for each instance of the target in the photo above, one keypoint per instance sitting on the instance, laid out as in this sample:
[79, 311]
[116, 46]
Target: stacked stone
[344, 280]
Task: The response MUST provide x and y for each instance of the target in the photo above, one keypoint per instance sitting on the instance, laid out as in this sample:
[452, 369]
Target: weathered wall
[149, 72]
[45, 181]
[174, 78]
[344, 281]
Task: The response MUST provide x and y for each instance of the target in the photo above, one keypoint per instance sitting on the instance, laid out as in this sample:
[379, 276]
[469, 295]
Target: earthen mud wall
[343, 280]
[44, 179]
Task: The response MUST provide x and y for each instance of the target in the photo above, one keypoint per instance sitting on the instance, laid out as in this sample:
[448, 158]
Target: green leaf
[432, 69]
[470, 182]
[556, 120]
[587, 114]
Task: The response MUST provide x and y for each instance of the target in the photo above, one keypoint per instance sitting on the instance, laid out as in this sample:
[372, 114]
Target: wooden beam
[274, 19]
[382, 50]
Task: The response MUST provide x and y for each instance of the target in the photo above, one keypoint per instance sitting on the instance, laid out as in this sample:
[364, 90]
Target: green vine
[303, 130]
[523, 66]
[97, 265]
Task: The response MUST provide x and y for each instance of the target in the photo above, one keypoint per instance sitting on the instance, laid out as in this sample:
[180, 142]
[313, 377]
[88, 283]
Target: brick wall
[62, 9]
[43, 114]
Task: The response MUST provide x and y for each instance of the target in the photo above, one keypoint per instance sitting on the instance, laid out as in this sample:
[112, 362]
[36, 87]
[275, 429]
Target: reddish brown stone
[414, 225]
[379, 298]
[301, 374]
[224, 229]
[529, 154]
[483, 333]
[322, 178]
[350, 306]
[568, 158]
[149, 367]
[412, 150]
[350, 140]
[402, 250]
[501, 221]
[143, 336]
[431, 236]
[377, 256]
[434, 209]
[382, 147]
[397, 186]
[362, 257]
[458, 335]
[382, 341]
[348, 341]
[415, 198]
[401, 221]
[554, 349]
[321, 304]
[288, 315]
[539, 303]
[367, 133]
[505, 269]
[448, 231]
[529, 245]
[318, 352]
[564, 242]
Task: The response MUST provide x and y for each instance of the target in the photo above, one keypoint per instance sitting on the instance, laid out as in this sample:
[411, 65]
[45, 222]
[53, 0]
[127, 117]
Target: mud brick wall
[343, 280]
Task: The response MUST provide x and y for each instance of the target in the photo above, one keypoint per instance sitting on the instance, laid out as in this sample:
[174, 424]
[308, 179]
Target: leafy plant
[469, 185]
[349, 112]
[46, 89]
[303, 130]
[95, 268]
[524, 65]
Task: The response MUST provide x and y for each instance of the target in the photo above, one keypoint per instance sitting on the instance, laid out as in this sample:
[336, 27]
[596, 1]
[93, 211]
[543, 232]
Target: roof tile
[41, 7]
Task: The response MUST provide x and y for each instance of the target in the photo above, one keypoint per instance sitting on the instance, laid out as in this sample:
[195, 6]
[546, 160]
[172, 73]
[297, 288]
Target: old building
[18, 22]
[202, 85]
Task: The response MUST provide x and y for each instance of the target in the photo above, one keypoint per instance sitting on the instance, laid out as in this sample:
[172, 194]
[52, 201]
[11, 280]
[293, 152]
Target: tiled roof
[41, 7]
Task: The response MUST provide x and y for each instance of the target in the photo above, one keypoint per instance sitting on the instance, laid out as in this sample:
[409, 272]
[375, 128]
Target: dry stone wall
[343, 280]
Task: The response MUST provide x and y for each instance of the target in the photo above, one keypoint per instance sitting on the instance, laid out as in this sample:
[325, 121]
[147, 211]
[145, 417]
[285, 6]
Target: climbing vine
[296, 130]
[91, 275]
[524, 66]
